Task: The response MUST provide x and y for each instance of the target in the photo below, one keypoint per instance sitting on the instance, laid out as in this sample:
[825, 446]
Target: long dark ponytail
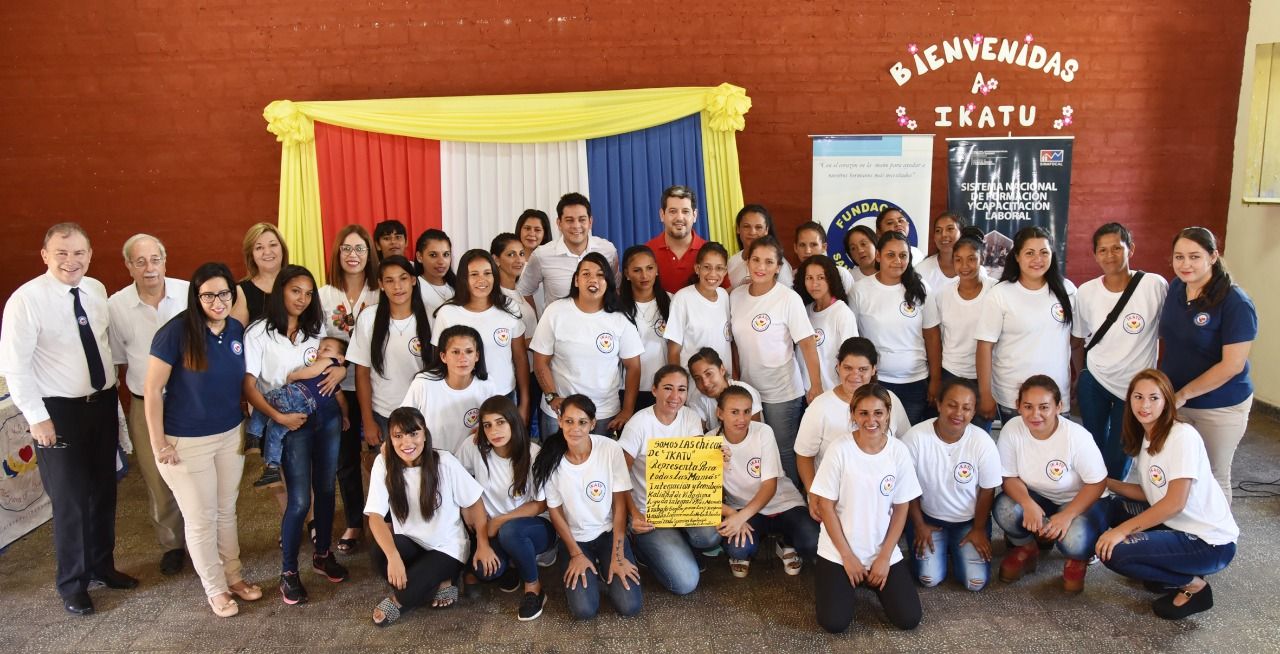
[382, 317]
[1052, 275]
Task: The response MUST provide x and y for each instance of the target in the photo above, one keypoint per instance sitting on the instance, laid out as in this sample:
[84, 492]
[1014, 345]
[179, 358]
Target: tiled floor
[769, 612]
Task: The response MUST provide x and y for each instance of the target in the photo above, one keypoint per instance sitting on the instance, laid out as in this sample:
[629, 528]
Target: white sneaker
[740, 567]
[547, 559]
[791, 562]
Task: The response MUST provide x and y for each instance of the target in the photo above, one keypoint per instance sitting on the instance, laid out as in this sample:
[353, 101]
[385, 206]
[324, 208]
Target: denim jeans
[290, 398]
[669, 554]
[784, 419]
[584, 601]
[310, 465]
[1160, 554]
[978, 420]
[1078, 541]
[1103, 415]
[797, 528]
[519, 543]
[968, 565]
[914, 396]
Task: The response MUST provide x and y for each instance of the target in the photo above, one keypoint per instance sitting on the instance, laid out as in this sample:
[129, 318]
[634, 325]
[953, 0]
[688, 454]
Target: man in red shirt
[676, 248]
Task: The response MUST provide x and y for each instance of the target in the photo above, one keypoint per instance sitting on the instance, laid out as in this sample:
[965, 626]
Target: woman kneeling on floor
[427, 493]
[1174, 527]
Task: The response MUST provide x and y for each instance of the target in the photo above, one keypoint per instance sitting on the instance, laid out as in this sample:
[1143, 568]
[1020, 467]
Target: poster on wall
[1002, 185]
[855, 177]
[23, 503]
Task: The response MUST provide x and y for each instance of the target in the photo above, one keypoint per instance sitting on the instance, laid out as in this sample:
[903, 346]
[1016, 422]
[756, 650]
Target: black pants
[424, 568]
[80, 480]
[834, 596]
[350, 480]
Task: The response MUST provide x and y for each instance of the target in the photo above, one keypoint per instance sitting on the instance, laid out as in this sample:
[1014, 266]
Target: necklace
[396, 324]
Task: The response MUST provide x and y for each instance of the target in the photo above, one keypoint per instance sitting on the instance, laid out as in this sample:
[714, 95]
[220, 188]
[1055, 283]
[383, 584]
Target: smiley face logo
[1057, 312]
[1156, 475]
[964, 472]
[753, 467]
[471, 418]
[761, 322]
[1133, 323]
[1201, 319]
[908, 309]
[887, 484]
[502, 336]
[605, 342]
[660, 327]
[821, 334]
[1055, 469]
[415, 347]
[595, 491]
[309, 357]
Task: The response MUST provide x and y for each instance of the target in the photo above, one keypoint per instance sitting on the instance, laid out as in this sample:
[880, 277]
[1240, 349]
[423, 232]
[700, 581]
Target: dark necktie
[97, 375]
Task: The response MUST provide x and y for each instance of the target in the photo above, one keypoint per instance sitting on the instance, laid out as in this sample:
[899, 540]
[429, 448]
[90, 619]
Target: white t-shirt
[496, 328]
[766, 329]
[1130, 345]
[827, 421]
[334, 301]
[951, 474]
[751, 462]
[528, 315]
[401, 360]
[932, 274]
[586, 490]
[586, 350]
[652, 328]
[706, 406]
[433, 297]
[642, 427]
[896, 327]
[958, 321]
[848, 279]
[496, 477]
[269, 356]
[444, 532]
[696, 323]
[451, 415]
[1030, 337]
[865, 488]
[1055, 468]
[832, 326]
[1207, 515]
[739, 274]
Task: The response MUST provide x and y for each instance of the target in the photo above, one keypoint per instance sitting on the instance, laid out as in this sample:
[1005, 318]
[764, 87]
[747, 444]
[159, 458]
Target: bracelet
[166, 448]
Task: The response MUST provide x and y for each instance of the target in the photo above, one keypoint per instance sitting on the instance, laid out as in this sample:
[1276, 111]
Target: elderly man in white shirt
[54, 355]
[553, 264]
[137, 311]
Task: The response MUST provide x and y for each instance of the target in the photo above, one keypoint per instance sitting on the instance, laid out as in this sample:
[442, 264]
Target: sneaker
[713, 552]
[531, 606]
[327, 566]
[791, 562]
[270, 477]
[547, 558]
[510, 581]
[252, 444]
[1073, 572]
[291, 589]
[740, 567]
[1019, 561]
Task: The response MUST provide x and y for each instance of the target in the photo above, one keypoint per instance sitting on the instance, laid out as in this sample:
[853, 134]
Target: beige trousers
[1222, 430]
[165, 514]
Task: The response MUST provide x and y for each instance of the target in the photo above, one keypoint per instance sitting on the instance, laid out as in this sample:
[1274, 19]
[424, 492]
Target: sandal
[445, 597]
[246, 592]
[348, 546]
[390, 612]
[226, 610]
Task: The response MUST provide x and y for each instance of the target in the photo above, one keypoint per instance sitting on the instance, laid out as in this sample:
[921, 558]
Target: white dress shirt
[40, 351]
[134, 324]
[552, 265]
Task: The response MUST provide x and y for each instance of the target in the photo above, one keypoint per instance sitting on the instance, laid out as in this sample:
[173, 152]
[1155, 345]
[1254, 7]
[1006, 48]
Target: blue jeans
[310, 465]
[931, 567]
[669, 554]
[1078, 541]
[519, 543]
[978, 420]
[1103, 415]
[584, 601]
[784, 419]
[797, 528]
[914, 396]
[1162, 555]
[290, 398]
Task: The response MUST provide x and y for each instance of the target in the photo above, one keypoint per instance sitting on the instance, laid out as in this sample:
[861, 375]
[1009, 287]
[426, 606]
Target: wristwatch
[548, 397]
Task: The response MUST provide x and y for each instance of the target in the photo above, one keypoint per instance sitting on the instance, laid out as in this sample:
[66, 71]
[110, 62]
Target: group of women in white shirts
[855, 404]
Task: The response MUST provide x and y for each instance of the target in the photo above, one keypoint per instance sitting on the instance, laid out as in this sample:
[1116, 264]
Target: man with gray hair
[137, 311]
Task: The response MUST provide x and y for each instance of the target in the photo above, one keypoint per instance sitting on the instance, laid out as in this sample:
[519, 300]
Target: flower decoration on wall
[989, 86]
[911, 125]
[903, 119]
[912, 48]
[1067, 116]
[1028, 38]
[977, 38]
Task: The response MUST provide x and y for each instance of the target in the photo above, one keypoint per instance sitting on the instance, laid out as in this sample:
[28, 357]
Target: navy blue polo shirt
[202, 403]
[1193, 340]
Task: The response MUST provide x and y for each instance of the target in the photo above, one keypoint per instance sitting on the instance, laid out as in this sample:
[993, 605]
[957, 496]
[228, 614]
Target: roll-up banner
[1002, 185]
[855, 177]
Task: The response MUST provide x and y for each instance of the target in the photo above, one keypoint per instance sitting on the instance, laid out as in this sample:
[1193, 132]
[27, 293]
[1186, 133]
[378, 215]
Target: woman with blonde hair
[265, 254]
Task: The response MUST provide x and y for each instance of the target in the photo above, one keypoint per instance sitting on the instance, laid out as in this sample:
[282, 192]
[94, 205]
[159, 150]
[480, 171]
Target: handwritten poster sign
[685, 477]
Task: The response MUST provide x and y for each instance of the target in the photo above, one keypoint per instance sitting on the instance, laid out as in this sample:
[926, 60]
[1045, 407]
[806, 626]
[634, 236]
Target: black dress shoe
[78, 604]
[117, 580]
[171, 562]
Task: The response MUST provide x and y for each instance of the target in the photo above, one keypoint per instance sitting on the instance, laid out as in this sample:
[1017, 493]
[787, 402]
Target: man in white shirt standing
[553, 264]
[137, 311]
[54, 355]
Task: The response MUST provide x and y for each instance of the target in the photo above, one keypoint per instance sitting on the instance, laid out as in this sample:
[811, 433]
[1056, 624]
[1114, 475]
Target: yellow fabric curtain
[528, 118]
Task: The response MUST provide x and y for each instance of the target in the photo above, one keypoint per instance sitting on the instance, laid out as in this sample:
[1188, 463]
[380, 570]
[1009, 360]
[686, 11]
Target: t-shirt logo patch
[1156, 475]
[660, 327]
[502, 336]
[471, 418]
[1055, 469]
[415, 347]
[1057, 312]
[237, 348]
[83, 320]
[887, 484]
[605, 342]
[1133, 323]
[1201, 319]
[595, 491]
[821, 334]
[761, 322]
[908, 309]
[753, 467]
[964, 472]
[728, 331]
[309, 357]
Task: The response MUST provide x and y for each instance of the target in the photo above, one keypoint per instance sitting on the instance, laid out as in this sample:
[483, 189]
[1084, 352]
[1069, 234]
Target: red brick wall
[131, 115]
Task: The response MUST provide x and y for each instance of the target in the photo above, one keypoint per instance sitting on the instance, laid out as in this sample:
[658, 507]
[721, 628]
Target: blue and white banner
[856, 177]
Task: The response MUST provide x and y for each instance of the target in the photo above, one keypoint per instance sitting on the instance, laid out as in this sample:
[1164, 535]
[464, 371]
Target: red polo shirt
[675, 273]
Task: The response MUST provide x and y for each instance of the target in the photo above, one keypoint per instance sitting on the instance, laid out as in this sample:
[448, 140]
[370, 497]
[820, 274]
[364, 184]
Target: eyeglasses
[208, 298]
[348, 249]
[141, 263]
